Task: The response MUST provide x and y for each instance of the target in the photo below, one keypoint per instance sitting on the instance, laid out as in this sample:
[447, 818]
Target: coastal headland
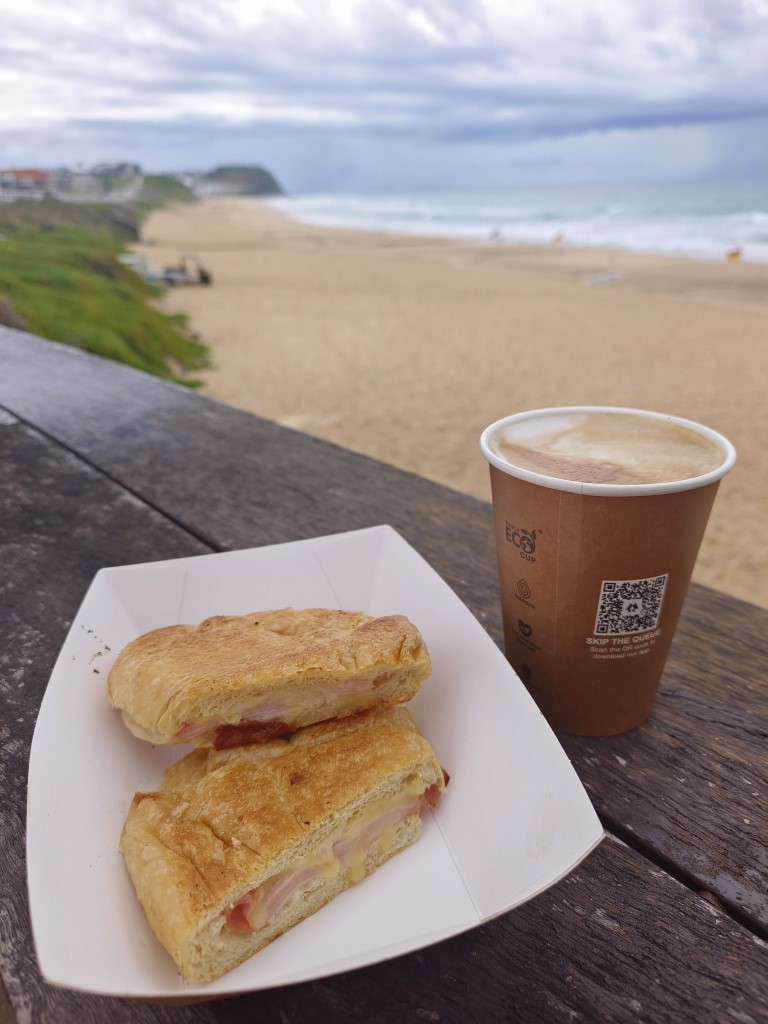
[405, 348]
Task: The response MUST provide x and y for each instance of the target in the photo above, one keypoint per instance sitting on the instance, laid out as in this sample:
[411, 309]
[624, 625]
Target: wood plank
[232, 478]
[616, 940]
[237, 480]
[692, 783]
[606, 944]
[60, 522]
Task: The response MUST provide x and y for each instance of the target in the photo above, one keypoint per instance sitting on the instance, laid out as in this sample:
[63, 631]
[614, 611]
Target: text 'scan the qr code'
[630, 606]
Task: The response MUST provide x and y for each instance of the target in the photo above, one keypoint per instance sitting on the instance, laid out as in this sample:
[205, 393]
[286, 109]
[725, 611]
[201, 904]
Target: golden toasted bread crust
[182, 675]
[224, 822]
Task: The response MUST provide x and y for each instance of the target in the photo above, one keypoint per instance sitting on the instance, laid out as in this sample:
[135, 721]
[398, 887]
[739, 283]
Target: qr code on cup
[630, 606]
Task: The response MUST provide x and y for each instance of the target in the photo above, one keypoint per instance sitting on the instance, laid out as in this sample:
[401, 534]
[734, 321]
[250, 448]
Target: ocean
[701, 220]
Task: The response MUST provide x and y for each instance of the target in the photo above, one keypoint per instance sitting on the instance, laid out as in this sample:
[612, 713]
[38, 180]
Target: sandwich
[237, 846]
[236, 680]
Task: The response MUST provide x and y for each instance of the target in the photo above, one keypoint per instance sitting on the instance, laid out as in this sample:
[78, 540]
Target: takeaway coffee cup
[599, 513]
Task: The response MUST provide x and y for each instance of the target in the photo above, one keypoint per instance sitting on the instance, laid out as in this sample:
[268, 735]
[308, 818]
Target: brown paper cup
[593, 578]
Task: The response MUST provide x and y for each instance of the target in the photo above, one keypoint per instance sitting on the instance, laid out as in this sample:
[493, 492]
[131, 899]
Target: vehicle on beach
[189, 270]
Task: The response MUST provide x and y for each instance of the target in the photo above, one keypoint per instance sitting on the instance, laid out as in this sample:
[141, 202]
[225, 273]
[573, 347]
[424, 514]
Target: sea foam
[706, 221]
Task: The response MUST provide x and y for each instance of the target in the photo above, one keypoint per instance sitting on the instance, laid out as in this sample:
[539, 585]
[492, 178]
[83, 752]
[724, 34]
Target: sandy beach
[406, 348]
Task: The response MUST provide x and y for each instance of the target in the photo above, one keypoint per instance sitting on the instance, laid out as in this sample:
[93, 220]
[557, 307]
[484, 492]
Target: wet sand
[406, 348]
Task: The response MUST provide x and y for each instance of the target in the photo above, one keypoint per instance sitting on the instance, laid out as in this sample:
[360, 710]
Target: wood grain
[60, 521]
[609, 943]
[235, 481]
[689, 788]
[155, 472]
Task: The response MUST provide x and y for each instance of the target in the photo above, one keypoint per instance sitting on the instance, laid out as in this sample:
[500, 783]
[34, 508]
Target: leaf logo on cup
[523, 540]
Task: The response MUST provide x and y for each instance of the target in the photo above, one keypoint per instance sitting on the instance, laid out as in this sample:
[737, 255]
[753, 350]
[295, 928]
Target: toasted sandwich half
[237, 846]
[235, 680]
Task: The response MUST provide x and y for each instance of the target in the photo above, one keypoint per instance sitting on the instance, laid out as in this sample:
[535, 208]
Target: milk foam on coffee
[606, 448]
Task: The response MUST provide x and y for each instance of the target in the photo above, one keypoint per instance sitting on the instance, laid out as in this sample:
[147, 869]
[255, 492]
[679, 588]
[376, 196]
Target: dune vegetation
[61, 278]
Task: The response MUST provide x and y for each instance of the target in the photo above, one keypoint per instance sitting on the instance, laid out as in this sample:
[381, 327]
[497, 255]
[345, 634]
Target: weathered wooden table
[666, 921]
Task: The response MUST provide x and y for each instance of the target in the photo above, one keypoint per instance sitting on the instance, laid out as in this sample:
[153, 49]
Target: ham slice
[261, 905]
[242, 735]
[272, 712]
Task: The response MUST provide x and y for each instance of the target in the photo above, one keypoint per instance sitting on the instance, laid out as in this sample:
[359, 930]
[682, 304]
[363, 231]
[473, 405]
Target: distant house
[118, 181]
[75, 184]
[24, 181]
[118, 170]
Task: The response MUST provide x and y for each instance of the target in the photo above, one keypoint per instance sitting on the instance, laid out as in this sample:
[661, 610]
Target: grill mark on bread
[229, 842]
[157, 840]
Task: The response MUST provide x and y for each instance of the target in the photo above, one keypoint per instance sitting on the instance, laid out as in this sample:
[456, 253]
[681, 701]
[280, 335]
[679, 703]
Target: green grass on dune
[65, 282]
[161, 189]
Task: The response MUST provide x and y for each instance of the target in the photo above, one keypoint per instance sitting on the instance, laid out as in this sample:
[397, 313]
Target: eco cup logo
[523, 540]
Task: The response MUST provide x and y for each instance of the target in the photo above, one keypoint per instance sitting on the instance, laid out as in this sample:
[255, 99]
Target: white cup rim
[608, 489]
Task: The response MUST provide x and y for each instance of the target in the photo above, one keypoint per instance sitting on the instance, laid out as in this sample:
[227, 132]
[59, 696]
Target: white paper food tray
[514, 819]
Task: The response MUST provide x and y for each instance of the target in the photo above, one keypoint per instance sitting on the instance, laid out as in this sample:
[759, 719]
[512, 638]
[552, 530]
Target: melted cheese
[345, 852]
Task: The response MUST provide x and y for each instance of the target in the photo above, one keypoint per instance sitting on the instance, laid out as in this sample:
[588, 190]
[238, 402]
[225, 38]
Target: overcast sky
[391, 95]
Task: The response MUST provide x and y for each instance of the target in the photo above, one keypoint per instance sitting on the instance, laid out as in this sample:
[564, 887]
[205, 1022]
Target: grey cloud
[691, 63]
